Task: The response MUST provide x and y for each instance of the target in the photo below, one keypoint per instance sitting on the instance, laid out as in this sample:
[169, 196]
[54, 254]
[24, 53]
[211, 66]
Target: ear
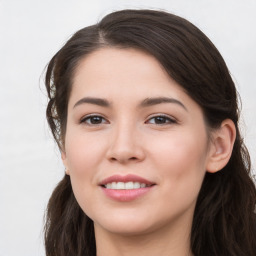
[64, 160]
[221, 147]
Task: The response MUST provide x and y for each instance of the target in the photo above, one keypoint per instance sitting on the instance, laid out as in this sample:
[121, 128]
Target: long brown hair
[224, 218]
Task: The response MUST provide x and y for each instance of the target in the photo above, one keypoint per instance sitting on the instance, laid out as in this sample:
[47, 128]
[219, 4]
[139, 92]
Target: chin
[125, 224]
[127, 229]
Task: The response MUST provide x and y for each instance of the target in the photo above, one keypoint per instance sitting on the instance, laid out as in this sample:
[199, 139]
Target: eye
[161, 120]
[93, 120]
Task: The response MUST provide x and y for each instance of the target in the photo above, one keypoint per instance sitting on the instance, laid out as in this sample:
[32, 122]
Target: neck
[167, 241]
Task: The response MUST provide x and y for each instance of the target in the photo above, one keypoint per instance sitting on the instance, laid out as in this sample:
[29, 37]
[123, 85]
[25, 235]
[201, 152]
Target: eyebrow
[145, 103]
[159, 100]
[96, 101]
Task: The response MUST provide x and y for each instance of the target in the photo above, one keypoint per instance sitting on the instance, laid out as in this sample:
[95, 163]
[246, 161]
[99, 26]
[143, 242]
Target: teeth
[125, 185]
[119, 185]
[136, 185]
[128, 185]
[109, 185]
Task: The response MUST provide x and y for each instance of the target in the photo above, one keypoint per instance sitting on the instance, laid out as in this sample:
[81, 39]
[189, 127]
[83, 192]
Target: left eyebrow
[159, 100]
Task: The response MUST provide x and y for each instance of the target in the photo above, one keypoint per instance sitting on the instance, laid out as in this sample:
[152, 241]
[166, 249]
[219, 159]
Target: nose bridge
[125, 145]
[123, 135]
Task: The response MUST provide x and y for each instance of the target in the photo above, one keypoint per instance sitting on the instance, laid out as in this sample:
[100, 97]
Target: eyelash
[167, 119]
[90, 117]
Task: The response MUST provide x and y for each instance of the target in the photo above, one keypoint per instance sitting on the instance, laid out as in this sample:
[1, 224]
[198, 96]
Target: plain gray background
[31, 32]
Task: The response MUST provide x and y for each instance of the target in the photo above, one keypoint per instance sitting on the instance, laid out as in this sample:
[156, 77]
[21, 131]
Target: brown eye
[93, 120]
[161, 120]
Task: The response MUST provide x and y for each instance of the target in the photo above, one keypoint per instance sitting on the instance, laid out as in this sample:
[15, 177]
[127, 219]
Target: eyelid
[171, 119]
[86, 117]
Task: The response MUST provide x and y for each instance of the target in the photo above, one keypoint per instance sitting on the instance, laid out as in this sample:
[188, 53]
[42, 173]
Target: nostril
[123, 159]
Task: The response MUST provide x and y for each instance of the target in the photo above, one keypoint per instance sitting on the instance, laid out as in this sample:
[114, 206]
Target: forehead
[122, 69]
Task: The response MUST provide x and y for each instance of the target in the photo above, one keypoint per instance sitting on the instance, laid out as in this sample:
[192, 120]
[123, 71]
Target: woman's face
[136, 146]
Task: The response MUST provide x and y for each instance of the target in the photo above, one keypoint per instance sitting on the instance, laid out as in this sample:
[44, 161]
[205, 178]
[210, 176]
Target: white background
[31, 31]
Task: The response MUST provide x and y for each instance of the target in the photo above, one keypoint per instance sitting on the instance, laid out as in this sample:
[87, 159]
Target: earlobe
[64, 160]
[221, 146]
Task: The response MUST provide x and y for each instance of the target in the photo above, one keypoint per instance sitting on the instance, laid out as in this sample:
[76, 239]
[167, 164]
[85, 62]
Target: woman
[144, 111]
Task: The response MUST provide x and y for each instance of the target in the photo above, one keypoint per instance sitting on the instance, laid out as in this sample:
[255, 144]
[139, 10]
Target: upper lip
[126, 178]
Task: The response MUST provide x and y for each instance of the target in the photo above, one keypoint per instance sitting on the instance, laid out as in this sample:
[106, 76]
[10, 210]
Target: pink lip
[126, 195]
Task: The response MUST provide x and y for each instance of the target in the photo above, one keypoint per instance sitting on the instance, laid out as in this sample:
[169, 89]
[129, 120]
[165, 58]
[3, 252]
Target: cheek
[181, 159]
[83, 153]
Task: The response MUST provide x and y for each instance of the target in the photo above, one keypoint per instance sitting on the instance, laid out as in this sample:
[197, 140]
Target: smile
[125, 185]
[126, 188]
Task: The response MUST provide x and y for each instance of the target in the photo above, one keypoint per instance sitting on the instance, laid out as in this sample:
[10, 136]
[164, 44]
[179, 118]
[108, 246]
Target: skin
[125, 137]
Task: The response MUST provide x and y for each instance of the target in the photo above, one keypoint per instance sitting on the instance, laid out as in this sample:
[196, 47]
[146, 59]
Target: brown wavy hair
[224, 218]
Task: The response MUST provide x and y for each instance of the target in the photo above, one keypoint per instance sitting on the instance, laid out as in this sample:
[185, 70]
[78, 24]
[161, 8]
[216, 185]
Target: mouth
[125, 185]
[126, 188]
[126, 182]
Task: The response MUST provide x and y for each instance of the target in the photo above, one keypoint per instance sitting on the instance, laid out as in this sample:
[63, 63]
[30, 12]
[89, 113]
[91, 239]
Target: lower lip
[126, 195]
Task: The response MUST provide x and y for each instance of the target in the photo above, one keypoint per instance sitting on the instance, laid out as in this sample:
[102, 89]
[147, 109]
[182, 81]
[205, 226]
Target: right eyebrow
[96, 101]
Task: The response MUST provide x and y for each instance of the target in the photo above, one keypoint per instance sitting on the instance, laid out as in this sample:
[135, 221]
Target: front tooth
[113, 185]
[136, 185]
[129, 185]
[120, 185]
[125, 185]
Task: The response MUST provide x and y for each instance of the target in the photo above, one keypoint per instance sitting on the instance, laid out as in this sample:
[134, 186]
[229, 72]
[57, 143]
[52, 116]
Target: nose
[125, 145]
